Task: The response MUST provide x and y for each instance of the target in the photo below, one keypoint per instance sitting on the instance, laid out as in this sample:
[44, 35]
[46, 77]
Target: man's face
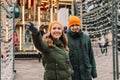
[75, 28]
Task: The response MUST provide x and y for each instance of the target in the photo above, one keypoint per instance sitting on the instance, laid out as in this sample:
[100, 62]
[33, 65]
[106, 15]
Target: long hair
[48, 38]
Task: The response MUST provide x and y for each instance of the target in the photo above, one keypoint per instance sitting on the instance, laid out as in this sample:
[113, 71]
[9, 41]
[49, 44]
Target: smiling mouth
[57, 34]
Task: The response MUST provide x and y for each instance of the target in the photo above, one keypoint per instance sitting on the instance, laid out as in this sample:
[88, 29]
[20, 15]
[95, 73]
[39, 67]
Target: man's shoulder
[85, 35]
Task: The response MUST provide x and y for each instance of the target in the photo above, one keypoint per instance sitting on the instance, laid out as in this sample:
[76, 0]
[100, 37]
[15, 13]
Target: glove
[32, 28]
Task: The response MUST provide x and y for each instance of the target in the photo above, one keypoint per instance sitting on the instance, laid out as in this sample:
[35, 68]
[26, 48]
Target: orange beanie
[74, 20]
[52, 23]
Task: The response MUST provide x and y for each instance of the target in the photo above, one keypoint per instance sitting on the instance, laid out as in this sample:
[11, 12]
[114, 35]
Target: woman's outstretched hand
[32, 28]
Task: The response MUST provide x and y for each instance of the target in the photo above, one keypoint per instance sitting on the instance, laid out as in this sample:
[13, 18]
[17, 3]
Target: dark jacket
[81, 56]
[56, 59]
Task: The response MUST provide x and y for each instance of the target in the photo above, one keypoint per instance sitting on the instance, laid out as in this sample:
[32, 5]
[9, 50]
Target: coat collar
[75, 34]
[58, 42]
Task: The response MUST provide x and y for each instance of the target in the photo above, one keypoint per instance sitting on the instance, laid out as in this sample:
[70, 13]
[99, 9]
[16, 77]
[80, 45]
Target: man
[81, 52]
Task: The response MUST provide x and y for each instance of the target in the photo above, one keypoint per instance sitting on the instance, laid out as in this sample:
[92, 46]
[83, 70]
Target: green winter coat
[56, 59]
[81, 56]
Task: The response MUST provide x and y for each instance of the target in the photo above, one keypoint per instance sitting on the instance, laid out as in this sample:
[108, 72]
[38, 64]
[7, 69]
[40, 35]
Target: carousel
[41, 13]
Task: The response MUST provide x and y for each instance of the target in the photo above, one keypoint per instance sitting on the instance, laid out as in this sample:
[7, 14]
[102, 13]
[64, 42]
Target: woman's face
[56, 31]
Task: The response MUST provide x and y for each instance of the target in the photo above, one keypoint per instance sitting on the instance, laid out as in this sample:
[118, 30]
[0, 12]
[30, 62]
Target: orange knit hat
[52, 23]
[74, 20]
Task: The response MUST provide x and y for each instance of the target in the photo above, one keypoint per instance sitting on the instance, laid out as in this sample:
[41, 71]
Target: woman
[101, 43]
[16, 41]
[54, 48]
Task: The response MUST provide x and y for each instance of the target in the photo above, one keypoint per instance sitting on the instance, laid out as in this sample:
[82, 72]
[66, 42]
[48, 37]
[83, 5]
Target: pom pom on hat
[52, 23]
[74, 20]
